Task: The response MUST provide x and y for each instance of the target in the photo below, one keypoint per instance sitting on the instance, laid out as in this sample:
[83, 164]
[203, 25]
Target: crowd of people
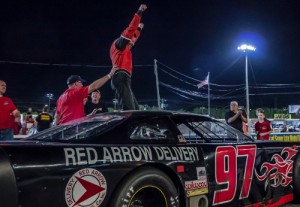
[29, 122]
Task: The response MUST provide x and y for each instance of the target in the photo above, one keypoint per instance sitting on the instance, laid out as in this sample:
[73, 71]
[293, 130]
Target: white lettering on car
[89, 155]
[80, 156]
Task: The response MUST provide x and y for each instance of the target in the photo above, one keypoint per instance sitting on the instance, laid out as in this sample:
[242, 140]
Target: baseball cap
[74, 78]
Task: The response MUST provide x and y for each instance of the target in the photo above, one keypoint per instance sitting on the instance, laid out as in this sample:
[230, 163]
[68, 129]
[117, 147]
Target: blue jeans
[6, 135]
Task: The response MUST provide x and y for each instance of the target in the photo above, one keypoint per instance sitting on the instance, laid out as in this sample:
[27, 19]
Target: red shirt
[261, 128]
[6, 108]
[123, 58]
[70, 105]
[15, 125]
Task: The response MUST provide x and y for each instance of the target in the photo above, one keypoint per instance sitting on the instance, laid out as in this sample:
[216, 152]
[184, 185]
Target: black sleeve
[121, 43]
[227, 116]
[37, 119]
[139, 12]
[51, 118]
[104, 108]
[87, 108]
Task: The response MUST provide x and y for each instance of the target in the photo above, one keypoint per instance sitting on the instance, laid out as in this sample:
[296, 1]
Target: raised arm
[101, 81]
[133, 29]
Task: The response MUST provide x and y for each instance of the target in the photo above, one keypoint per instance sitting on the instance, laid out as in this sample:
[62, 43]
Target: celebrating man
[121, 56]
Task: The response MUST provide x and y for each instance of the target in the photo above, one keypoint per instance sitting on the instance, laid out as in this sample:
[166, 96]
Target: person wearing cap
[95, 105]
[7, 110]
[70, 105]
[121, 56]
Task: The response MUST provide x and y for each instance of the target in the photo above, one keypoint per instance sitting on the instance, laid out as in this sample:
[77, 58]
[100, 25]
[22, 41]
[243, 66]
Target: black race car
[147, 159]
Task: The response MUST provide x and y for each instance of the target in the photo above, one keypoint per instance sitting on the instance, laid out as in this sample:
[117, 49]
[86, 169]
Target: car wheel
[147, 187]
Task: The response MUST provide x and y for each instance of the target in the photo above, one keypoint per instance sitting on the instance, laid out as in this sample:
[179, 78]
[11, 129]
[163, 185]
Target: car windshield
[79, 129]
[209, 131]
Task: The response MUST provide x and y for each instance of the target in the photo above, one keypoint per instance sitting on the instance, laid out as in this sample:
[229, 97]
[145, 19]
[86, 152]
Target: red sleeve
[128, 33]
[269, 126]
[12, 105]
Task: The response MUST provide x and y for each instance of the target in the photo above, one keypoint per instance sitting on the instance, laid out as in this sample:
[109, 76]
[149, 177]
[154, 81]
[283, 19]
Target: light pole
[246, 48]
[49, 96]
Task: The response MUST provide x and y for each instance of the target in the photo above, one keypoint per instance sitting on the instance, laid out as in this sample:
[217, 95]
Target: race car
[149, 159]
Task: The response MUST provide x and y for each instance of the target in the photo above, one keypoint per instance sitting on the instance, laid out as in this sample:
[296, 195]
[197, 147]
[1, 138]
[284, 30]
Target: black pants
[121, 83]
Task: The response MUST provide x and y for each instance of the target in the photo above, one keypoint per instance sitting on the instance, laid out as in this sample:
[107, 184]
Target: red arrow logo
[91, 190]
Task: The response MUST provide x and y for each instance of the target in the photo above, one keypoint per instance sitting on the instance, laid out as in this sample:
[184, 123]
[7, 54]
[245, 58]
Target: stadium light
[49, 96]
[247, 48]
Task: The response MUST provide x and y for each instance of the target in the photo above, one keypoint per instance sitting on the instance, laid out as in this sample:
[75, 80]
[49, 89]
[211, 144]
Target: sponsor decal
[196, 187]
[278, 172]
[201, 173]
[89, 155]
[180, 168]
[87, 187]
[285, 137]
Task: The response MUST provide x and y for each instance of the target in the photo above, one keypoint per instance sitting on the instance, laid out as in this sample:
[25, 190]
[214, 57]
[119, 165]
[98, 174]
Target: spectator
[7, 109]
[121, 56]
[29, 111]
[44, 119]
[260, 110]
[95, 105]
[262, 127]
[284, 129]
[27, 125]
[70, 105]
[234, 117]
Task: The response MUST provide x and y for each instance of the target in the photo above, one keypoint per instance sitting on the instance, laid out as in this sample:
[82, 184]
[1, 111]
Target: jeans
[6, 135]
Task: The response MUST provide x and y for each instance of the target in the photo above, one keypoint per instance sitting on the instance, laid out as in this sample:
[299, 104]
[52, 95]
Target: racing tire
[146, 187]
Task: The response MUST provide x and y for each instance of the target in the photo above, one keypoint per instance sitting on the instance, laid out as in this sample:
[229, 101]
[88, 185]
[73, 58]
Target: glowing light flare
[245, 48]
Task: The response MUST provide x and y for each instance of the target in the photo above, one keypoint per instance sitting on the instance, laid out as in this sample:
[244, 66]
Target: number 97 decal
[226, 171]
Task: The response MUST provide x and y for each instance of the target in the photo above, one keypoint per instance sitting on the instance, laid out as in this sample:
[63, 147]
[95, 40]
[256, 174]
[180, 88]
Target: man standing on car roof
[121, 56]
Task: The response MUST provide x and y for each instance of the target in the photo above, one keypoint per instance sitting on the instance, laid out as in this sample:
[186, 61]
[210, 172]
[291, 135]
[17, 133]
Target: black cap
[74, 78]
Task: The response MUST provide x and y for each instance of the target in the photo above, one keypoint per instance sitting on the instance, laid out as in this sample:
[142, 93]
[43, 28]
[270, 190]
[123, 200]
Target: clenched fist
[143, 7]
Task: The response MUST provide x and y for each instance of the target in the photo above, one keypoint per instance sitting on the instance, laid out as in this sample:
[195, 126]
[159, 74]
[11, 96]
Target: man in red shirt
[70, 105]
[7, 109]
[262, 127]
[121, 56]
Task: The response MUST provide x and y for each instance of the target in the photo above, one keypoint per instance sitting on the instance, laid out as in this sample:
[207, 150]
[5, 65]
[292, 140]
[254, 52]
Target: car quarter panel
[244, 174]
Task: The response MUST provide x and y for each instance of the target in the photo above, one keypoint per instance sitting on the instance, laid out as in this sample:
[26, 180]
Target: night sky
[189, 37]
